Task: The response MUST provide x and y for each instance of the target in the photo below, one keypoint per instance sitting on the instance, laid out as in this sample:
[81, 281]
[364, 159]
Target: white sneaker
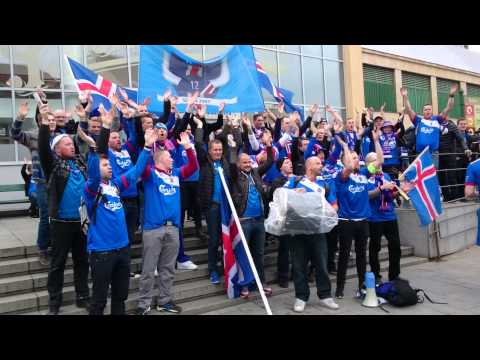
[156, 272]
[329, 303]
[187, 265]
[299, 305]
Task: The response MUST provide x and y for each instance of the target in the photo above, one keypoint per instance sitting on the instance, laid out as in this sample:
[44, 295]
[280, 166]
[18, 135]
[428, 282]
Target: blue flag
[425, 196]
[230, 78]
[281, 95]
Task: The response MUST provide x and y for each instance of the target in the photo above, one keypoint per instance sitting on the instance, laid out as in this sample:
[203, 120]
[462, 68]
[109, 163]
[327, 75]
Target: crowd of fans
[136, 171]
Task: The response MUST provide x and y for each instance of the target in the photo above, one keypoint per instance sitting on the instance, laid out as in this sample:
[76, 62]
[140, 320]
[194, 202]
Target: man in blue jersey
[161, 227]
[352, 195]
[382, 220]
[428, 125]
[472, 181]
[311, 247]
[108, 239]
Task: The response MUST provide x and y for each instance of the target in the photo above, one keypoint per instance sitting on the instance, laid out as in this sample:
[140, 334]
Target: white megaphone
[371, 299]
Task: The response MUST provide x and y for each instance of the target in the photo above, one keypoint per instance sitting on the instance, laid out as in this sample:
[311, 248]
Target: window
[110, 61]
[291, 48]
[443, 88]
[314, 87]
[334, 83]
[36, 65]
[473, 90]
[332, 51]
[5, 80]
[290, 76]
[314, 50]
[7, 147]
[419, 90]
[379, 87]
[75, 52]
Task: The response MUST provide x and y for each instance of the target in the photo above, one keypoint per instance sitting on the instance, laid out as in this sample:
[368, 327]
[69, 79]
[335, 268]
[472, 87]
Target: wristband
[451, 96]
[148, 148]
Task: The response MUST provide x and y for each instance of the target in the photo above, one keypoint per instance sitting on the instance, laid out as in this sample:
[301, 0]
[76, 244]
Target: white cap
[56, 140]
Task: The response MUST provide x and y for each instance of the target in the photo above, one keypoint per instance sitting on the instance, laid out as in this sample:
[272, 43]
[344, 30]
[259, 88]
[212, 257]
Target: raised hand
[403, 92]
[267, 138]
[106, 117]
[147, 101]
[44, 110]
[388, 185]
[453, 89]
[281, 107]
[221, 107]
[231, 142]
[191, 100]
[201, 110]
[123, 93]
[382, 108]
[87, 139]
[40, 93]
[314, 109]
[198, 122]
[123, 107]
[246, 122]
[329, 109]
[337, 127]
[342, 143]
[185, 141]
[80, 111]
[167, 94]
[150, 137]
[23, 111]
[173, 102]
[114, 100]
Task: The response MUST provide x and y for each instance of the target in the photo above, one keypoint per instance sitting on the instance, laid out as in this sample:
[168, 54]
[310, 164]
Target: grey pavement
[454, 280]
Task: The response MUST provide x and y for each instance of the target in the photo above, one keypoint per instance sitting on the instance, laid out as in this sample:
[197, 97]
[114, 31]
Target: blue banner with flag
[425, 195]
[230, 78]
[281, 95]
[99, 87]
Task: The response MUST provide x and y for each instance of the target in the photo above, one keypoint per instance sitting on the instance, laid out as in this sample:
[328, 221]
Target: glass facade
[313, 72]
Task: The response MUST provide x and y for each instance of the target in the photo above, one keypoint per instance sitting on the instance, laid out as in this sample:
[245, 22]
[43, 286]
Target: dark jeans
[67, 236]
[130, 206]
[254, 231]
[390, 230]
[304, 248]
[214, 228]
[349, 231]
[110, 268]
[283, 259]
[462, 162]
[332, 244]
[43, 237]
[448, 177]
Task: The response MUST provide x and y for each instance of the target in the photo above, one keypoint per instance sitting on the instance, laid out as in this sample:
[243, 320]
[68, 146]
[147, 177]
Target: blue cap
[161, 125]
[95, 113]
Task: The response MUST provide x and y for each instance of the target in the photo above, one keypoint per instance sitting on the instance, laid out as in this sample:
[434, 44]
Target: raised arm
[378, 147]
[408, 107]
[262, 169]
[16, 131]
[199, 144]
[44, 151]
[191, 166]
[347, 157]
[450, 102]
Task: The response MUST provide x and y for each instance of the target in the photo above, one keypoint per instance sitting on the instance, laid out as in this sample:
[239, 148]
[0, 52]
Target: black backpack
[399, 293]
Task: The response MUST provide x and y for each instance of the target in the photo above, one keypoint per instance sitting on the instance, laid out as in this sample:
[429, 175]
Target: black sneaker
[283, 284]
[169, 307]
[142, 311]
[83, 303]
[339, 293]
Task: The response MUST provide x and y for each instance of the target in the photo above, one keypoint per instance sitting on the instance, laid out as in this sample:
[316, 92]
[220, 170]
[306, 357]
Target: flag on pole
[237, 270]
[100, 88]
[281, 95]
[425, 195]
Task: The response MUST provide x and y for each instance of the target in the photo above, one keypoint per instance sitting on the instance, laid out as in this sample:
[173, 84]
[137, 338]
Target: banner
[472, 112]
[230, 78]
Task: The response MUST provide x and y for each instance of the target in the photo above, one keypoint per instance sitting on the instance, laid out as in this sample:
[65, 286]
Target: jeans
[254, 231]
[390, 230]
[214, 228]
[283, 259]
[130, 206]
[67, 236]
[160, 249]
[332, 244]
[304, 248]
[110, 268]
[349, 231]
[43, 236]
[448, 178]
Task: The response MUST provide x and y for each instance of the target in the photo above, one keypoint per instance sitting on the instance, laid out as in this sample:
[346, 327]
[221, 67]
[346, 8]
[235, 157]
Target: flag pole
[402, 177]
[244, 242]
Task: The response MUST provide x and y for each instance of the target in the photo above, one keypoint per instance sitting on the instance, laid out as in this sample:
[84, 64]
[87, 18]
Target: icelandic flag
[237, 270]
[230, 78]
[425, 195]
[100, 88]
[281, 95]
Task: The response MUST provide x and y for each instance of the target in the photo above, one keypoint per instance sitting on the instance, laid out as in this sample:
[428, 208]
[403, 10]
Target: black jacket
[207, 176]
[449, 135]
[56, 170]
[240, 183]
[26, 178]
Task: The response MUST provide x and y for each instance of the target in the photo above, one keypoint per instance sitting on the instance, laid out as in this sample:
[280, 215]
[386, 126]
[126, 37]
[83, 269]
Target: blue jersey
[109, 231]
[318, 186]
[68, 208]
[427, 132]
[473, 174]
[121, 162]
[381, 207]
[162, 193]
[352, 195]
[389, 145]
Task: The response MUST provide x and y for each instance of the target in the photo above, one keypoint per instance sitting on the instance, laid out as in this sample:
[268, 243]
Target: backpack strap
[297, 180]
[427, 297]
[95, 204]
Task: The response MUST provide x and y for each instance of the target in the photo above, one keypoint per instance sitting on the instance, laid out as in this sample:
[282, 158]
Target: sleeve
[284, 140]
[213, 127]
[335, 154]
[93, 181]
[253, 142]
[277, 130]
[262, 169]
[102, 141]
[470, 176]
[18, 135]
[416, 120]
[44, 151]
[171, 121]
[309, 152]
[132, 175]
[332, 193]
[23, 171]
[305, 126]
[201, 153]
[191, 166]
[290, 184]
[459, 137]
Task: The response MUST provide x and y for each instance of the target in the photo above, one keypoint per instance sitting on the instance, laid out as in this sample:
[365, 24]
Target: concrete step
[202, 304]
[35, 284]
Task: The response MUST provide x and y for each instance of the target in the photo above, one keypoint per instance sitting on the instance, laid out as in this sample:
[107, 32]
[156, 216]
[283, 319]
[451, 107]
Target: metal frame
[276, 51]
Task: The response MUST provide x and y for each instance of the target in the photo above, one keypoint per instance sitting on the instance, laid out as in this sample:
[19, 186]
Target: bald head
[244, 163]
[313, 166]
[60, 117]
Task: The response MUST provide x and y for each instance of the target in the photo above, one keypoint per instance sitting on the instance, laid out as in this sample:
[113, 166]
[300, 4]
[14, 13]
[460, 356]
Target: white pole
[244, 242]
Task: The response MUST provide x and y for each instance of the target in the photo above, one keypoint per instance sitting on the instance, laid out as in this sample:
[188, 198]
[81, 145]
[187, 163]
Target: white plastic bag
[294, 213]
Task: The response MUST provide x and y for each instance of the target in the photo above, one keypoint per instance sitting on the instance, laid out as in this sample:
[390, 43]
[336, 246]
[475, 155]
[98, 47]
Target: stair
[23, 279]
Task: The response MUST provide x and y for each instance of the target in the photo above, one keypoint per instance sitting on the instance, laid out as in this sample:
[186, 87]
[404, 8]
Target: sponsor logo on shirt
[426, 131]
[356, 188]
[113, 206]
[167, 190]
[123, 162]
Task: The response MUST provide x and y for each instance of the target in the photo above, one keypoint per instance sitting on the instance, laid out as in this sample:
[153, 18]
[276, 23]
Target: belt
[129, 200]
[169, 223]
[66, 220]
[110, 251]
